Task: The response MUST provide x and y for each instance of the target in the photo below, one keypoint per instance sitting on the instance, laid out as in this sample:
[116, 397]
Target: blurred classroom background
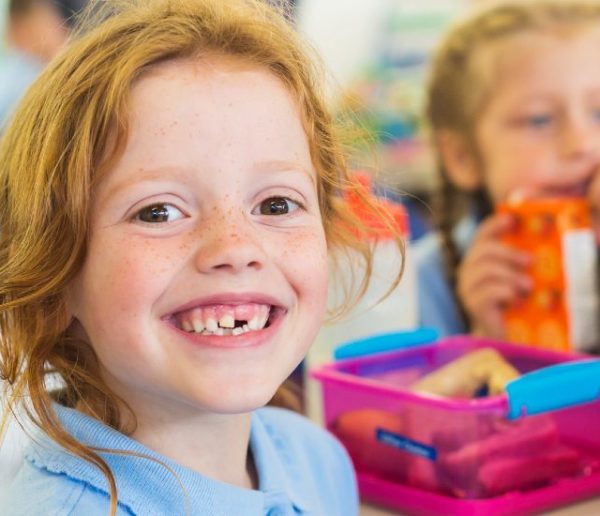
[378, 52]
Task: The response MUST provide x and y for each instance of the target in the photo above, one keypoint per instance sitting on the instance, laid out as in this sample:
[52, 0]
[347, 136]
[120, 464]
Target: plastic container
[530, 449]
[561, 311]
[398, 311]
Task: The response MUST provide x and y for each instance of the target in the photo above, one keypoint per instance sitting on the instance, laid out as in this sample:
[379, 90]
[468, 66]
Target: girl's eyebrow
[169, 173]
[286, 166]
[145, 175]
[549, 95]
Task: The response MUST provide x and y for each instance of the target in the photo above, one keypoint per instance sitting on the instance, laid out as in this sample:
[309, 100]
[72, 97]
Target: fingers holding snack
[492, 275]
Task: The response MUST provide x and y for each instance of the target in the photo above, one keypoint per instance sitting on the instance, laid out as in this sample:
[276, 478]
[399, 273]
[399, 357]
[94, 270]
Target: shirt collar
[277, 469]
[174, 484]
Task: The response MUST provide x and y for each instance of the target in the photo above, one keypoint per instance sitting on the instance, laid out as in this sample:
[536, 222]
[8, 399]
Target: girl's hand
[491, 276]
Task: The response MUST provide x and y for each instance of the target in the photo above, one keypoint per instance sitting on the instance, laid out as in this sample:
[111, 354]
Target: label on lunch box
[406, 444]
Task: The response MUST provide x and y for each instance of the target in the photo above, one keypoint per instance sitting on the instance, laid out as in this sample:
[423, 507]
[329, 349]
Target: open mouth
[578, 190]
[225, 320]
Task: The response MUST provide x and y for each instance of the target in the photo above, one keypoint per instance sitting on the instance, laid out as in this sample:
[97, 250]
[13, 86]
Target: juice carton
[561, 310]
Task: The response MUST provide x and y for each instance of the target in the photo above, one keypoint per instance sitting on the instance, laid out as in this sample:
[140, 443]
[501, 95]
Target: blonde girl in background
[514, 108]
[169, 194]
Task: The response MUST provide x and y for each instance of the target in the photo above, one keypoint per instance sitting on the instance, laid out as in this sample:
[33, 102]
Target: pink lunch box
[533, 448]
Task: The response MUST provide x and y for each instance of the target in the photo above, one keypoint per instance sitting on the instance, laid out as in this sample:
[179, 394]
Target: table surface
[587, 507]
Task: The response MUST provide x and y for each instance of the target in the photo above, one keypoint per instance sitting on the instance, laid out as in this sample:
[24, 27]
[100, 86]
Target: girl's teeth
[263, 319]
[211, 325]
[258, 321]
[253, 323]
[204, 322]
[197, 325]
[227, 321]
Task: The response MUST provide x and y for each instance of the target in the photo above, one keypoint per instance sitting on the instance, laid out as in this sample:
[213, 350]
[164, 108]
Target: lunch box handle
[553, 388]
[386, 342]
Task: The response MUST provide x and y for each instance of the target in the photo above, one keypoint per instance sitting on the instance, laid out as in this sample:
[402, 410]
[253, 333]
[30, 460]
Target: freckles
[306, 254]
[147, 257]
[307, 238]
[185, 247]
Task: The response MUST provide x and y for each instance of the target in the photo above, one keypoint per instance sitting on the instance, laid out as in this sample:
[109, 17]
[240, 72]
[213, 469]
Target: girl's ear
[458, 159]
[70, 313]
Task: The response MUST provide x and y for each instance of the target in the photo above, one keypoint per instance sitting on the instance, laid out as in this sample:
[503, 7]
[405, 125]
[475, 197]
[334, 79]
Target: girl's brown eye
[157, 213]
[277, 206]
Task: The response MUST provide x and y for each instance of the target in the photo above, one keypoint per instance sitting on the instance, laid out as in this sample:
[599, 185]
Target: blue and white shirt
[302, 470]
[438, 307]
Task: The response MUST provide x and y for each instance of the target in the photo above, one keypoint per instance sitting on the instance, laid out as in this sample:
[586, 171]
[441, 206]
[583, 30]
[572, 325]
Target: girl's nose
[580, 139]
[228, 246]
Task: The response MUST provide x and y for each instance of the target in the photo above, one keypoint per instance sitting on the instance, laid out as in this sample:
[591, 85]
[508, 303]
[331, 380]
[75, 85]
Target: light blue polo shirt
[438, 307]
[302, 469]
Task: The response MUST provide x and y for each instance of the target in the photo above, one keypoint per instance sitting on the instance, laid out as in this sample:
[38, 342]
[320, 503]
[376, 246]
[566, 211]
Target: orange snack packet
[561, 311]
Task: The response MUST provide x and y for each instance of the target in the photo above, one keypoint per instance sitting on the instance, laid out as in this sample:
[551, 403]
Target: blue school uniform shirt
[302, 470]
[437, 305]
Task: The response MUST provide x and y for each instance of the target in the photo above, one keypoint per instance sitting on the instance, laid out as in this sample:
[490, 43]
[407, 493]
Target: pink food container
[533, 448]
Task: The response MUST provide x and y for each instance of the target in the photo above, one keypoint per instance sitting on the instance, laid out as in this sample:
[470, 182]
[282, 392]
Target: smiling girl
[169, 197]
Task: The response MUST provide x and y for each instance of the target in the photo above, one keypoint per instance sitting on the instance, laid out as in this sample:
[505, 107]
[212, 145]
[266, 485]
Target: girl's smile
[229, 320]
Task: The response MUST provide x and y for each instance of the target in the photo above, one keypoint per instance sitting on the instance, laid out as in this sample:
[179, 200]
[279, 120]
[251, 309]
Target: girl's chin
[238, 406]
[233, 401]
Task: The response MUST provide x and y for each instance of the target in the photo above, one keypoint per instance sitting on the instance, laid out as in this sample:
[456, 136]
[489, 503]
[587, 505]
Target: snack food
[561, 310]
[467, 375]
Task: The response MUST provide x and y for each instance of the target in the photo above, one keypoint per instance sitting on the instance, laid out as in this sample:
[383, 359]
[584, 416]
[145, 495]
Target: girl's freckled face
[214, 195]
[539, 133]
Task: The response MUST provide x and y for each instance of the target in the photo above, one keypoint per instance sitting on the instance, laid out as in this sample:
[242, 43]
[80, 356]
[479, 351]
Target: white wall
[343, 31]
[380, 50]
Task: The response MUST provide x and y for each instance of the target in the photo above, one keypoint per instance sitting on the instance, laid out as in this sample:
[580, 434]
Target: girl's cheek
[308, 243]
[306, 251]
[127, 263]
